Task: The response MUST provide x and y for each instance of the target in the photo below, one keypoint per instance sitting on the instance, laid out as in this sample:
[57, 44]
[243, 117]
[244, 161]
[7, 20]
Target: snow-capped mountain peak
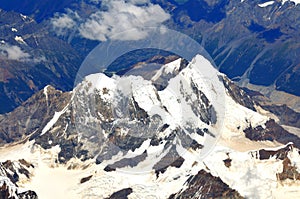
[188, 131]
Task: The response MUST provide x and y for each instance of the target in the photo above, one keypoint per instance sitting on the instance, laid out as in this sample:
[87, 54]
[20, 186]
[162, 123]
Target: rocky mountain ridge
[110, 131]
[248, 41]
[30, 59]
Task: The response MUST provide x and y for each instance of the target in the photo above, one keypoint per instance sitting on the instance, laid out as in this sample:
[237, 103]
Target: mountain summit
[185, 131]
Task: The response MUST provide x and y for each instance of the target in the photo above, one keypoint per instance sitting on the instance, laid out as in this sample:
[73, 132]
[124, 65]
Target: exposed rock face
[4, 191]
[6, 194]
[171, 159]
[279, 154]
[122, 194]
[227, 162]
[131, 162]
[51, 105]
[237, 93]
[238, 35]
[204, 185]
[10, 174]
[32, 116]
[13, 170]
[271, 132]
[289, 171]
[28, 195]
[246, 41]
[46, 60]
[83, 180]
[127, 124]
[287, 115]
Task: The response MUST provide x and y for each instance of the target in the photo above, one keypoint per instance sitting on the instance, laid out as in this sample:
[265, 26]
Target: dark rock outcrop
[28, 195]
[272, 132]
[289, 171]
[6, 194]
[171, 159]
[204, 185]
[237, 93]
[131, 162]
[85, 179]
[13, 169]
[32, 116]
[280, 154]
[286, 115]
[227, 162]
[122, 194]
[10, 173]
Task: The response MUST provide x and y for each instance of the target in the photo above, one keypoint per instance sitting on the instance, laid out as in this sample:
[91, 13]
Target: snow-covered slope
[295, 1]
[130, 136]
[267, 3]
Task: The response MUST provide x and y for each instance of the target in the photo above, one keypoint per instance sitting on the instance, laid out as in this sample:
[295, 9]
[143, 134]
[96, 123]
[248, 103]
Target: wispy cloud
[120, 20]
[12, 52]
[64, 23]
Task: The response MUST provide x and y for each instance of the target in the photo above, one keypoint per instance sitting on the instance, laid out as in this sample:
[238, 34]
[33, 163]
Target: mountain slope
[30, 59]
[128, 135]
[251, 41]
[248, 40]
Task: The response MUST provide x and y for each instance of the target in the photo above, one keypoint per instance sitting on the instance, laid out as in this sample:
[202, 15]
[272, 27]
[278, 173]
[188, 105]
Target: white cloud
[121, 20]
[13, 52]
[63, 23]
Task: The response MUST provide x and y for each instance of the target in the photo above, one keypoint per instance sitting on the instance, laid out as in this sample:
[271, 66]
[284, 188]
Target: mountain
[255, 43]
[183, 130]
[36, 9]
[252, 42]
[30, 59]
